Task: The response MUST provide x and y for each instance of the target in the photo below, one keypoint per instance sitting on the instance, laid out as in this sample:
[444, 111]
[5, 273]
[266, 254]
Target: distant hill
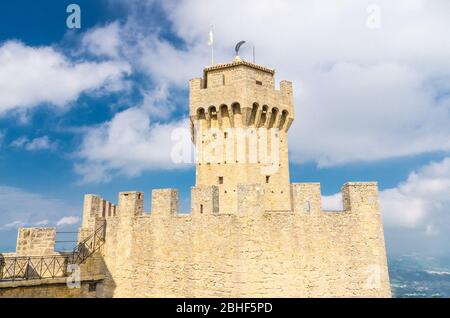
[415, 276]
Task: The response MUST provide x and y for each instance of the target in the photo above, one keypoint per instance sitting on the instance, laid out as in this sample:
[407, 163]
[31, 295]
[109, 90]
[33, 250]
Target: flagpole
[254, 61]
[212, 54]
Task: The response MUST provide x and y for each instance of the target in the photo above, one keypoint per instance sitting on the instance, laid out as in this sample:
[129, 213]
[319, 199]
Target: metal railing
[50, 266]
[33, 267]
[89, 245]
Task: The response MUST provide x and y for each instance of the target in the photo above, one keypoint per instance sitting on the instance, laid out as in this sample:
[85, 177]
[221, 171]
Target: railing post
[93, 245]
[27, 266]
[104, 231]
[40, 271]
[14, 269]
[67, 260]
[54, 261]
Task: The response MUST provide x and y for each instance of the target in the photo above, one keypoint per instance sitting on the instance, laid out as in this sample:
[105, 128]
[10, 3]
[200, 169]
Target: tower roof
[236, 62]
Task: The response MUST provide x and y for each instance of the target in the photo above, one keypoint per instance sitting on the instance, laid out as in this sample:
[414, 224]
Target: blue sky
[91, 110]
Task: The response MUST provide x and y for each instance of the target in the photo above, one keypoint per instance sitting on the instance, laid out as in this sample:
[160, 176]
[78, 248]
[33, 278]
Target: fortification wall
[255, 252]
[50, 288]
[252, 253]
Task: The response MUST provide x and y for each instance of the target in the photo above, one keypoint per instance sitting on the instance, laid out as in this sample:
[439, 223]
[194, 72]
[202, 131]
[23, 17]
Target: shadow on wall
[108, 286]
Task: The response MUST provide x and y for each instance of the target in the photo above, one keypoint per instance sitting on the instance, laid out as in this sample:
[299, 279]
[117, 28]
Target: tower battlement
[241, 94]
[306, 199]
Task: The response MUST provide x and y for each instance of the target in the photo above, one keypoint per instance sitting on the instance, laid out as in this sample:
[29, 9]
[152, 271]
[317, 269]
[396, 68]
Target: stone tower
[239, 124]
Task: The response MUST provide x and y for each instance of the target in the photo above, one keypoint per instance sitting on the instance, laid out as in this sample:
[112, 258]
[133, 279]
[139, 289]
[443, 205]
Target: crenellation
[96, 207]
[205, 200]
[164, 202]
[196, 84]
[360, 196]
[91, 209]
[131, 204]
[286, 95]
[306, 197]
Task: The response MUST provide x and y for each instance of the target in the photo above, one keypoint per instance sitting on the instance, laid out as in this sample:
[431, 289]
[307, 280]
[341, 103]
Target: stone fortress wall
[250, 232]
[306, 252]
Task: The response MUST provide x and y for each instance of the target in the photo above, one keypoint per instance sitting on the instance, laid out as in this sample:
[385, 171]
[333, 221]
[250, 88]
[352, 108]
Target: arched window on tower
[253, 114]
[237, 117]
[264, 111]
[273, 117]
[212, 112]
[201, 113]
[212, 118]
[236, 108]
[284, 116]
[224, 111]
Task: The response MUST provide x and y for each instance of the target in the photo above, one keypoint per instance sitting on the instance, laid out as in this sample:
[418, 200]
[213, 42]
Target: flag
[210, 37]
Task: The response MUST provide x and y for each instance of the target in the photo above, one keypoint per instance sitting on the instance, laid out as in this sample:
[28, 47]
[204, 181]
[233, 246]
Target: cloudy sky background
[92, 110]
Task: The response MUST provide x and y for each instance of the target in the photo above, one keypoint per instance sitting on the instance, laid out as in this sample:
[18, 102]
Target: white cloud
[22, 208]
[103, 41]
[43, 75]
[416, 213]
[422, 201]
[140, 137]
[40, 143]
[360, 94]
[157, 103]
[332, 202]
[13, 224]
[41, 223]
[18, 223]
[68, 220]
[128, 144]
[367, 113]
[167, 64]
[401, 209]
